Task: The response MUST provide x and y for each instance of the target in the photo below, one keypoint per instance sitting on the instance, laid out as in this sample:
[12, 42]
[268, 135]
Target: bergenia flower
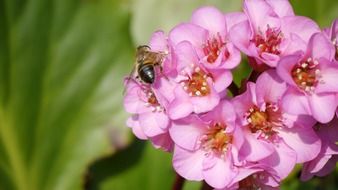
[208, 34]
[271, 31]
[271, 133]
[326, 160]
[207, 148]
[312, 77]
[195, 91]
[149, 119]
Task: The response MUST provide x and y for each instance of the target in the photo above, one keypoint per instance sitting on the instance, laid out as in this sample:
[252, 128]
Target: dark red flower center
[264, 122]
[213, 47]
[251, 182]
[269, 42]
[151, 101]
[306, 74]
[197, 84]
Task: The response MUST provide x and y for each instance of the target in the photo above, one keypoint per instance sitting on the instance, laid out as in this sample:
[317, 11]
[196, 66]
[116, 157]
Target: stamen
[196, 84]
[306, 74]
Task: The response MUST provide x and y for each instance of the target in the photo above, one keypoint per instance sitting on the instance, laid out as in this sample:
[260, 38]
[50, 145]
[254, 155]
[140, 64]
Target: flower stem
[179, 182]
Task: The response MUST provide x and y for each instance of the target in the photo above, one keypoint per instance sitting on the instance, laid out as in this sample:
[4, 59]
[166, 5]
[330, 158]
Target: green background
[62, 125]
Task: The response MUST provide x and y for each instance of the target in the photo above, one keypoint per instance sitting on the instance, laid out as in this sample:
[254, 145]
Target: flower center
[197, 84]
[216, 139]
[269, 42]
[213, 47]
[151, 101]
[306, 74]
[251, 182]
[264, 122]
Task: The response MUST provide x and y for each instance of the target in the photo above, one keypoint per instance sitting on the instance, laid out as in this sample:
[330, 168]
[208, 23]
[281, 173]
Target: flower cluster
[283, 114]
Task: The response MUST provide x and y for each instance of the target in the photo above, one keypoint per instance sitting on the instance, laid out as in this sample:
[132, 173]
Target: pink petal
[281, 7]
[188, 164]
[234, 18]
[132, 100]
[245, 101]
[194, 34]
[153, 123]
[329, 167]
[257, 12]
[221, 174]
[187, 132]
[135, 125]
[158, 41]
[234, 59]
[323, 106]
[241, 35]
[205, 103]
[302, 26]
[320, 47]
[329, 76]
[186, 56]
[181, 106]
[253, 149]
[291, 120]
[310, 168]
[295, 102]
[291, 44]
[163, 141]
[269, 87]
[282, 161]
[209, 18]
[285, 67]
[245, 172]
[269, 59]
[304, 141]
[222, 79]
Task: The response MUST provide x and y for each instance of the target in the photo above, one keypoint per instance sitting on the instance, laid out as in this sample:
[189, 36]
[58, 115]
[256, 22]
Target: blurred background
[62, 124]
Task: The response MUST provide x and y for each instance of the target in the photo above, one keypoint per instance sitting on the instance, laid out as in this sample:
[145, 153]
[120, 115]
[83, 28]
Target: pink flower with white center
[195, 91]
[279, 139]
[326, 160]
[312, 78]
[332, 33]
[271, 31]
[149, 119]
[207, 32]
[207, 147]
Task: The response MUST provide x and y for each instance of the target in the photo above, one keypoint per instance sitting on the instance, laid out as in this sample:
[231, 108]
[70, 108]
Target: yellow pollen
[197, 84]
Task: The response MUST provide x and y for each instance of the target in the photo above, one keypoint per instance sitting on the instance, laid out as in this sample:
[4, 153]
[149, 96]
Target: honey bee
[146, 61]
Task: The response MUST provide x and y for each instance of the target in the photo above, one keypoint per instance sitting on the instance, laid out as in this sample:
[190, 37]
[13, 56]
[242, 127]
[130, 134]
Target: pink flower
[332, 33]
[149, 119]
[194, 91]
[208, 35]
[312, 79]
[271, 31]
[326, 160]
[273, 136]
[207, 147]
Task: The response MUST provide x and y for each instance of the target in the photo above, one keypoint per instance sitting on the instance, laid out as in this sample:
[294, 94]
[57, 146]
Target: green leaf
[61, 69]
[140, 166]
[323, 12]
